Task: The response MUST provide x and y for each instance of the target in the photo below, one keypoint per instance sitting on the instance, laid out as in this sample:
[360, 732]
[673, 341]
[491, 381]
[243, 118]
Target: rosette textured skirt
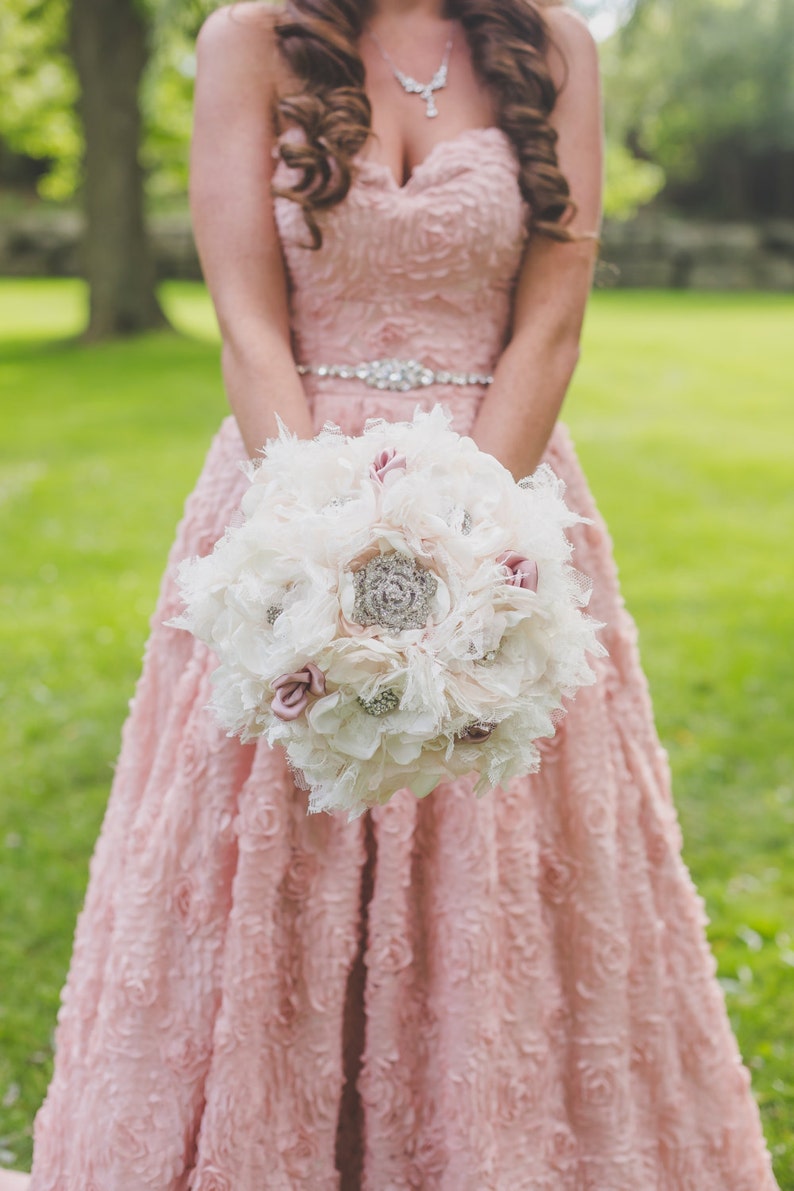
[511, 992]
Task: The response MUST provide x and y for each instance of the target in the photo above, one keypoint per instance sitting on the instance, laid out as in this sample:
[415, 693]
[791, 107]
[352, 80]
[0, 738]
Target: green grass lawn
[682, 416]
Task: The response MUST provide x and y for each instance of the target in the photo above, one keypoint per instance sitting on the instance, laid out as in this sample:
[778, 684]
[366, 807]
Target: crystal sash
[398, 375]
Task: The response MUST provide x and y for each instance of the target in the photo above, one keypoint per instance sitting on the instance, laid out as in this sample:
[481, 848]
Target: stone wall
[35, 245]
[651, 250]
[38, 246]
[659, 250]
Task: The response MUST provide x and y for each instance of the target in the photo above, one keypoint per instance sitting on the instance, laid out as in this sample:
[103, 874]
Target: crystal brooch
[394, 592]
[382, 704]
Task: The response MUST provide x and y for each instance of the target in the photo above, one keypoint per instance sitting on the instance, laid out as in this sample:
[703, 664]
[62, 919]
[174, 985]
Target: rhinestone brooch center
[394, 592]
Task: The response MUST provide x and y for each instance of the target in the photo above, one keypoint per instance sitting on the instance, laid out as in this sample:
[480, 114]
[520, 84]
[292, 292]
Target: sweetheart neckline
[446, 143]
[383, 169]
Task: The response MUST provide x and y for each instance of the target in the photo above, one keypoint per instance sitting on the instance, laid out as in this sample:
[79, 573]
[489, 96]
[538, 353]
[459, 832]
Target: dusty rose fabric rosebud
[293, 690]
[523, 571]
[385, 462]
[476, 733]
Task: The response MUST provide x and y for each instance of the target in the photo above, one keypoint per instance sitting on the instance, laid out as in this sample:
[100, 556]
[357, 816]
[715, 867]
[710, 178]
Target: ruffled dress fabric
[454, 994]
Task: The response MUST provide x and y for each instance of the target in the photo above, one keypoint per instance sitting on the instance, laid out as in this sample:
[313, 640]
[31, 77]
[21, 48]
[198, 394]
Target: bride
[453, 994]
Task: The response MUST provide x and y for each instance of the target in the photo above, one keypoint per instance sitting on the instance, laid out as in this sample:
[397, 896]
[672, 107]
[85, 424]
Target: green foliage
[39, 90]
[693, 84]
[682, 418]
[166, 107]
[167, 92]
[629, 184]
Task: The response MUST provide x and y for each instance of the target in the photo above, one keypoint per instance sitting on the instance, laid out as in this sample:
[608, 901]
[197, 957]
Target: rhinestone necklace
[425, 90]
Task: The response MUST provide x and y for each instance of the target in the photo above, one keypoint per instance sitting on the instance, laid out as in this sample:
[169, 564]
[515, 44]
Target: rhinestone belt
[398, 375]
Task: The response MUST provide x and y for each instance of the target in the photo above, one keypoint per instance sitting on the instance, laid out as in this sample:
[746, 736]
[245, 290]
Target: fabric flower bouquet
[394, 610]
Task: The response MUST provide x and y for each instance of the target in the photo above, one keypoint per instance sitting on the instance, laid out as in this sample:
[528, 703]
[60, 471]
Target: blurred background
[681, 409]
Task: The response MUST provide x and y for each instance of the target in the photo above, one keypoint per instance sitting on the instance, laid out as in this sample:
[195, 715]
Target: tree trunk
[109, 46]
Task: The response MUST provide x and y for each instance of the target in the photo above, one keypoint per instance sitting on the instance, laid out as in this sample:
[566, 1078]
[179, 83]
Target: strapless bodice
[424, 270]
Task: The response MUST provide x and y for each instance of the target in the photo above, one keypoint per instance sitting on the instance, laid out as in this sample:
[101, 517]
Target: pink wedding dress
[541, 1006]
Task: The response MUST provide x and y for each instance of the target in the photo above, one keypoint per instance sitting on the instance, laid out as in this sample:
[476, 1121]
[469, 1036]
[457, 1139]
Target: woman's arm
[233, 221]
[517, 415]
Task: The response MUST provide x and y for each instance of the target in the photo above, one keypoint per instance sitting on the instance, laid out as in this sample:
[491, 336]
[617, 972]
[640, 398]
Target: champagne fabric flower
[523, 572]
[293, 690]
[386, 463]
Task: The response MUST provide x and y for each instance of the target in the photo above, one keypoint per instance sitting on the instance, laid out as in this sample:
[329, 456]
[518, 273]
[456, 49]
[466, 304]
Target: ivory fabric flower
[393, 610]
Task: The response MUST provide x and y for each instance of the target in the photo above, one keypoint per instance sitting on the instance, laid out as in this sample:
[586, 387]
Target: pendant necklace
[425, 90]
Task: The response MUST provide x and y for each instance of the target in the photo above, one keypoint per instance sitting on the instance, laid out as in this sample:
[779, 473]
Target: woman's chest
[459, 223]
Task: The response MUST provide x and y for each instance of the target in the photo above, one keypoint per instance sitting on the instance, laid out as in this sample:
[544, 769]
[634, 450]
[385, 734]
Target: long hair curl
[509, 44]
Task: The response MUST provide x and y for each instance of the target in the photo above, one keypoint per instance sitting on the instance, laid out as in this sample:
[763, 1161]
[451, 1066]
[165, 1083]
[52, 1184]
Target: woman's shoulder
[576, 48]
[567, 22]
[569, 27]
[242, 18]
[241, 37]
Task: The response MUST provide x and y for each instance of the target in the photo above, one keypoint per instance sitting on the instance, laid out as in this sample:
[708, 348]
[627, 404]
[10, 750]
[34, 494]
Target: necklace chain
[410, 85]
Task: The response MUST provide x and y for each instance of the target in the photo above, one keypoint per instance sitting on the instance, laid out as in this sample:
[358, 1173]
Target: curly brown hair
[509, 43]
